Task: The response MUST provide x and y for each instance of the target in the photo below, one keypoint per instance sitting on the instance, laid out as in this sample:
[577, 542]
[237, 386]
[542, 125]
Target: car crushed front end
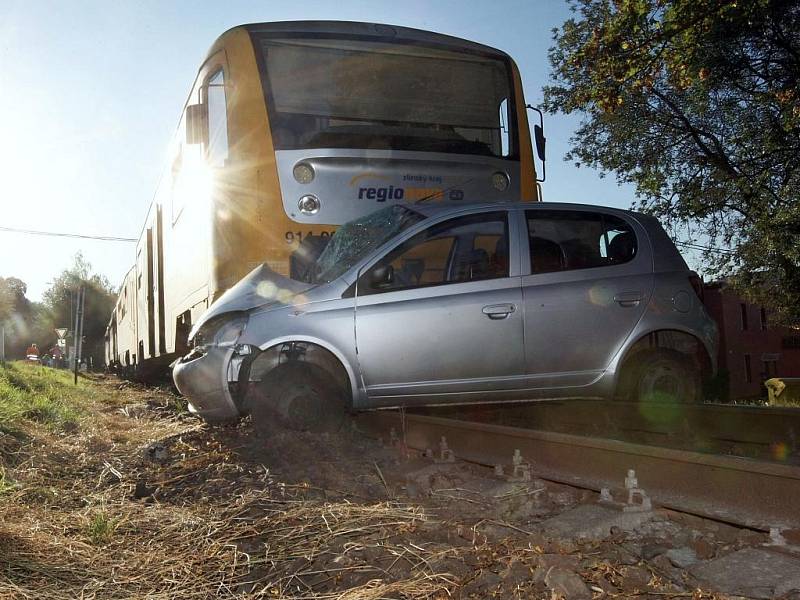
[214, 373]
[206, 373]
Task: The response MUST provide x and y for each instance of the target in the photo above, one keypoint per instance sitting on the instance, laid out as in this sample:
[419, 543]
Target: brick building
[751, 349]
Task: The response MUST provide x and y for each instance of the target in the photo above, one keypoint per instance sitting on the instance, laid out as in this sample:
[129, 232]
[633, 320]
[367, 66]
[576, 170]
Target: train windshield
[344, 93]
[354, 240]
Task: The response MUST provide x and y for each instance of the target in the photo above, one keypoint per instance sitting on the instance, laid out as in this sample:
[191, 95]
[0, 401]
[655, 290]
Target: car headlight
[230, 331]
[223, 331]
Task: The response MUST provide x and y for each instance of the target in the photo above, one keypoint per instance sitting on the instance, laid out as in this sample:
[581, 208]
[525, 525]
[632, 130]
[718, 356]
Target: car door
[590, 280]
[439, 319]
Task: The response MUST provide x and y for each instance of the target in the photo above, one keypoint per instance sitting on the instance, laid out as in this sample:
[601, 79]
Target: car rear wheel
[666, 376]
[300, 397]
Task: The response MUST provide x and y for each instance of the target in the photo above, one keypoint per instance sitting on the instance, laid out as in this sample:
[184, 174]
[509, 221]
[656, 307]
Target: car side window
[469, 248]
[568, 240]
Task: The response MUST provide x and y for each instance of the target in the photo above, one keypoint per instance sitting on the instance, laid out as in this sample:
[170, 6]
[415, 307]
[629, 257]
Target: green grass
[101, 528]
[38, 394]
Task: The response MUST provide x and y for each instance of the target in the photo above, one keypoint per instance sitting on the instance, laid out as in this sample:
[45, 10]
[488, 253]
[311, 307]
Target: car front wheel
[301, 397]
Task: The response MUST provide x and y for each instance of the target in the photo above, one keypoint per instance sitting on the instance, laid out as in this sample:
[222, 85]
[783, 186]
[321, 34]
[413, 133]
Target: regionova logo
[383, 188]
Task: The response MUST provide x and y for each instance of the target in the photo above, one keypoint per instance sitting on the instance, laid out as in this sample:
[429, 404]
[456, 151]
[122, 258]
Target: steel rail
[755, 431]
[746, 492]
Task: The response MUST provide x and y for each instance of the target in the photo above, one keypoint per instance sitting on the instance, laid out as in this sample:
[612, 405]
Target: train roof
[377, 31]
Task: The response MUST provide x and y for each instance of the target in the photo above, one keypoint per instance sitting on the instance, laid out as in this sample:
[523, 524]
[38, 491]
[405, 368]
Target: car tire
[666, 376]
[300, 397]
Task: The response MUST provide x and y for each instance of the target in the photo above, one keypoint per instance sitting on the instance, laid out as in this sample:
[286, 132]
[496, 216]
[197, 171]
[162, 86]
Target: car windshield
[354, 240]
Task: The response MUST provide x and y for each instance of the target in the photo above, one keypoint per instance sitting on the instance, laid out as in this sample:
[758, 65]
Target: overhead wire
[693, 246]
[102, 238]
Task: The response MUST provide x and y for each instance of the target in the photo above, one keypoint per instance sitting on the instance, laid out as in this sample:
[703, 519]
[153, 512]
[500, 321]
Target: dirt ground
[142, 500]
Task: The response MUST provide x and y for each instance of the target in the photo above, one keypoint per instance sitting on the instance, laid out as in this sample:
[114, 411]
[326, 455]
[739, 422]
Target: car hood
[260, 287]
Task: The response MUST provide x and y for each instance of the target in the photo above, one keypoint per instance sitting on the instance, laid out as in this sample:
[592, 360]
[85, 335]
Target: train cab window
[470, 248]
[217, 151]
[348, 93]
[569, 240]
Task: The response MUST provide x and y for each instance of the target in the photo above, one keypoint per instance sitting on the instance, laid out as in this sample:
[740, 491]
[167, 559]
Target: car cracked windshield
[356, 239]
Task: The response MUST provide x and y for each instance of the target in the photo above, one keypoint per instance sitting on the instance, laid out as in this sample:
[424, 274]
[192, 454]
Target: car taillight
[697, 284]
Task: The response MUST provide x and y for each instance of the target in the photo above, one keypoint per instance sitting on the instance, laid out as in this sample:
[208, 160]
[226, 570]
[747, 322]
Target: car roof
[435, 208]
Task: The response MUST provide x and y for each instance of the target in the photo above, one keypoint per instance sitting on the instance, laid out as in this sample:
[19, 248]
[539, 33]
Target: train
[293, 128]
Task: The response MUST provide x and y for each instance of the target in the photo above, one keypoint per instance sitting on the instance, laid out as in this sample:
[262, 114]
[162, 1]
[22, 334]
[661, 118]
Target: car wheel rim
[304, 410]
[663, 384]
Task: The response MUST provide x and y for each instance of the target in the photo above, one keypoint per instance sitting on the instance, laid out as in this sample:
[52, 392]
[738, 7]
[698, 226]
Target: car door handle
[628, 298]
[498, 311]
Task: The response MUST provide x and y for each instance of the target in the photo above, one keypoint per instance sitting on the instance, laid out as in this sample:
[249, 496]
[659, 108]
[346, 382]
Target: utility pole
[77, 342]
[3, 345]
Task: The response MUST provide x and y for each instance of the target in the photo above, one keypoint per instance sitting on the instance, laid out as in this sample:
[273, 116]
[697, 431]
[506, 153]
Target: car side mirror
[195, 123]
[381, 277]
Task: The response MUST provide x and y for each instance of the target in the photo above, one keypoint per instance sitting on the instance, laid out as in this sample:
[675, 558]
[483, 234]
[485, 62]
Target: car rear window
[567, 240]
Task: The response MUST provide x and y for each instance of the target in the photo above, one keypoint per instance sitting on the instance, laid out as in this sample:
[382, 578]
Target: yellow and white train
[293, 128]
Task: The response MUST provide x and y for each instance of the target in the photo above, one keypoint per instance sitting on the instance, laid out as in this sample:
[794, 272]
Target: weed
[101, 528]
[178, 405]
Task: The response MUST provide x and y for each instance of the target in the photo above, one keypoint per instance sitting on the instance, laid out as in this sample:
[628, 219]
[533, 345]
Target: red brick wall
[725, 306]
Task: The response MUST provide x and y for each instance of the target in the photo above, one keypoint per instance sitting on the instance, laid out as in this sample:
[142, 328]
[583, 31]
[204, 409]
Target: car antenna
[440, 192]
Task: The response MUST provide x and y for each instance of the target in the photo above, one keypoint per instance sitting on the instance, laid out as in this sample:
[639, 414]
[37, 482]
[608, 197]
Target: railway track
[758, 432]
[749, 492]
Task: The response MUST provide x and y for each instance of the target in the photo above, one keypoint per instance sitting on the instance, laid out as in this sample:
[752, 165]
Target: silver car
[453, 303]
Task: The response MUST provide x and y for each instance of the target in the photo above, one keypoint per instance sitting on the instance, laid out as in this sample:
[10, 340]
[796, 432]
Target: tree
[12, 298]
[98, 303]
[697, 104]
[17, 315]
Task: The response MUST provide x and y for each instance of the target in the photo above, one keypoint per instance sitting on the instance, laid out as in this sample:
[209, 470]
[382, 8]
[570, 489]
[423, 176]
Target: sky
[90, 95]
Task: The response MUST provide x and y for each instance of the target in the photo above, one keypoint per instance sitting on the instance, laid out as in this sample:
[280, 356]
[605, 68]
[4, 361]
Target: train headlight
[309, 204]
[303, 173]
[500, 181]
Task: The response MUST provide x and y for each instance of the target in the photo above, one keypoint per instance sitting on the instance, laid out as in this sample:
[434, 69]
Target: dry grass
[131, 498]
[203, 525]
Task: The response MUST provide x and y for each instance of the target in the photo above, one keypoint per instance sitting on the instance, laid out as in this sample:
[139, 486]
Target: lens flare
[194, 181]
[600, 296]
[779, 451]
[267, 290]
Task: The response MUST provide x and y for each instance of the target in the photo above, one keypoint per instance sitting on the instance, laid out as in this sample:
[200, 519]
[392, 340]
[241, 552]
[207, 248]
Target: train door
[151, 311]
[114, 349]
[139, 301]
[159, 282]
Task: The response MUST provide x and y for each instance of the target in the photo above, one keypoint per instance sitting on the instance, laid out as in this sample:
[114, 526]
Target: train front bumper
[202, 376]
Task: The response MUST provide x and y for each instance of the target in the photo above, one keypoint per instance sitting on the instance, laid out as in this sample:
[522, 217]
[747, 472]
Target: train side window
[176, 167]
[505, 140]
[217, 151]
